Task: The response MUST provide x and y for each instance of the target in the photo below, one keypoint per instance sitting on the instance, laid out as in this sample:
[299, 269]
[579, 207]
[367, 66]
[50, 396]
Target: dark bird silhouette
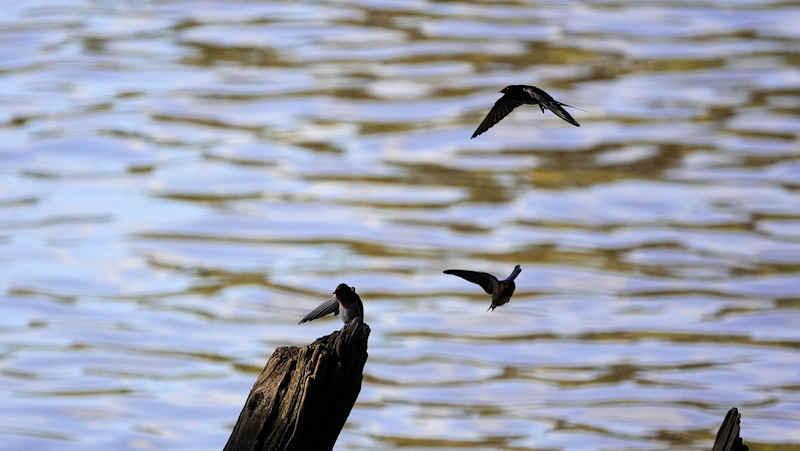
[516, 95]
[728, 438]
[345, 299]
[501, 290]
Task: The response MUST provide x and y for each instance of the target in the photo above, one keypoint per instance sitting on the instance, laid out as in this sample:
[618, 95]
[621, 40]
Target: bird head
[343, 290]
[345, 294]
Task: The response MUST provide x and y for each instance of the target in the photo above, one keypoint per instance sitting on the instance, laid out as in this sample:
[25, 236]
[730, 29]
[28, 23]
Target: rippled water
[181, 181]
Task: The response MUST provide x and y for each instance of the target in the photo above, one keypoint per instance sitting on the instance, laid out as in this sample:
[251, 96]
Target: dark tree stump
[728, 438]
[303, 396]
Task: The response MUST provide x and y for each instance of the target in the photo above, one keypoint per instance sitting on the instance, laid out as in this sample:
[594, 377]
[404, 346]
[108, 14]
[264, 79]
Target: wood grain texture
[303, 396]
[728, 438]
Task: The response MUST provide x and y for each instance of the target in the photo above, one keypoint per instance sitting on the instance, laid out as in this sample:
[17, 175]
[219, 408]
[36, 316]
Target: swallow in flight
[501, 290]
[516, 95]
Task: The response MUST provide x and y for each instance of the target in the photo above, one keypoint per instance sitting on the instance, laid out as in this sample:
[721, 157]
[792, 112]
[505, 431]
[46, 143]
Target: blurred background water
[180, 181]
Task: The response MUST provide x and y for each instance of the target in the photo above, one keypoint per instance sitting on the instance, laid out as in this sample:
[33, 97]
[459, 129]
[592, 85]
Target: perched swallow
[344, 298]
[501, 290]
[516, 95]
[728, 438]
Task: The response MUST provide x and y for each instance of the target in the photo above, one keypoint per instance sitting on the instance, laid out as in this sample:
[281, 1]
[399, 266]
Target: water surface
[181, 181]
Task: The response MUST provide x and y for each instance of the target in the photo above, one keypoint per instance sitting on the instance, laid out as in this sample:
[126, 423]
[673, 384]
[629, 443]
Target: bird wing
[501, 108]
[514, 273]
[326, 308]
[728, 435]
[485, 280]
[545, 100]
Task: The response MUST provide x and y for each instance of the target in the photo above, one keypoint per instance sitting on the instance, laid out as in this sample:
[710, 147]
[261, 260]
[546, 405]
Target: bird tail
[555, 107]
[571, 106]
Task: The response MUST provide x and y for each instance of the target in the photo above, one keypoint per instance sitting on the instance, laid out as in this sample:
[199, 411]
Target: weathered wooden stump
[728, 438]
[303, 396]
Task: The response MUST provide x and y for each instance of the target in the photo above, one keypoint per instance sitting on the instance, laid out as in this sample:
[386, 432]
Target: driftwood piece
[303, 396]
[728, 438]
